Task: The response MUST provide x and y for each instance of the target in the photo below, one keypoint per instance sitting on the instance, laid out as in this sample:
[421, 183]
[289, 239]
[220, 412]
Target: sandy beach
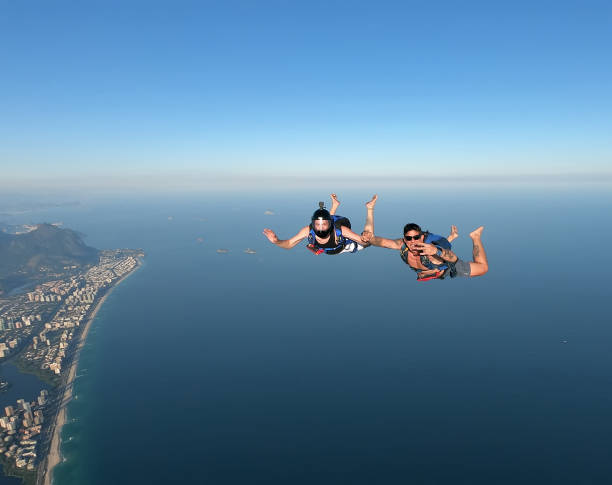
[54, 456]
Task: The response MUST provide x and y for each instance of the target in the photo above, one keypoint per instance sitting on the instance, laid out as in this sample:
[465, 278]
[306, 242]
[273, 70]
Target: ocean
[284, 367]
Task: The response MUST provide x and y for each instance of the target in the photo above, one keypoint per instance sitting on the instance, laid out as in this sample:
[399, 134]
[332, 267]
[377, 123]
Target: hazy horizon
[194, 183]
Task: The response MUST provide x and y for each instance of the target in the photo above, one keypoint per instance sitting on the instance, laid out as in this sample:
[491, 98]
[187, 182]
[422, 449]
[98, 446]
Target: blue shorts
[463, 269]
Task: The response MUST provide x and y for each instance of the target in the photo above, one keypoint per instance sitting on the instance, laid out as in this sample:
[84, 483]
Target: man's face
[321, 225]
[411, 238]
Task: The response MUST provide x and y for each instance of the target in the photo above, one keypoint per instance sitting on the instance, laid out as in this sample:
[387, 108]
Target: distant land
[41, 254]
[22, 228]
[9, 207]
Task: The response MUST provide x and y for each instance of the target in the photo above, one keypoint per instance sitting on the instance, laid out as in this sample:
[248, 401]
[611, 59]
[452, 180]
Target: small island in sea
[51, 287]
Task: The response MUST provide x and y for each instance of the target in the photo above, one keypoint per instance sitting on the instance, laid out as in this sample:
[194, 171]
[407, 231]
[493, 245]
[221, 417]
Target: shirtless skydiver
[431, 256]
[329, 233]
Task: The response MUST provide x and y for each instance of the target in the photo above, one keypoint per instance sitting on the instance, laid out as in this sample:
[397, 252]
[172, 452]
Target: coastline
[54, 456]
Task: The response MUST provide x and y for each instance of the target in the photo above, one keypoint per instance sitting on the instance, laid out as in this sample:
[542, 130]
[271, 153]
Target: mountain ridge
[42, 252]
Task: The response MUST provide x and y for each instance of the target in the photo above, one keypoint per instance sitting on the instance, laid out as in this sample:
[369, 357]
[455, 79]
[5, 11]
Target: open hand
[425, 249]
[269, 233]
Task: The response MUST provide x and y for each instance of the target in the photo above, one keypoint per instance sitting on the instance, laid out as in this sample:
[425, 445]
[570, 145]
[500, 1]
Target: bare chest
[415, 261]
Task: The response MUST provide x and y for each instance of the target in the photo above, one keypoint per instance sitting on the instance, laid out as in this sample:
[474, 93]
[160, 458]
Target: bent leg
[335, 204]
[369, 224]
[479, 265]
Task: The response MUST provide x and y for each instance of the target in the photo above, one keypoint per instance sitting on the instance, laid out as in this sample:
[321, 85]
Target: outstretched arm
[287, 243]
[436, 251]
[382, 242]
[353, 236]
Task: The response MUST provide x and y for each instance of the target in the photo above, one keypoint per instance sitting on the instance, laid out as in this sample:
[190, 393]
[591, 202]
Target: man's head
[412, 234]
[321, 221]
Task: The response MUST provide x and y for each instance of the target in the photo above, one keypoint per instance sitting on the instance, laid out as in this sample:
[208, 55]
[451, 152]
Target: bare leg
[369, 224]
[479, 265]
[335, 204]
[454, 234]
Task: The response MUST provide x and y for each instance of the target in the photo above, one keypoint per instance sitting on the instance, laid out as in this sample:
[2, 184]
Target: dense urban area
[40, 329]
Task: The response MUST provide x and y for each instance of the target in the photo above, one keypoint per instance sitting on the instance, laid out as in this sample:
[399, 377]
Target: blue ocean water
[284, 367]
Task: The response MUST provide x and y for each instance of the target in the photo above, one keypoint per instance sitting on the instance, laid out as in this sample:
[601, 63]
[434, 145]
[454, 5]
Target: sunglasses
[410, 238]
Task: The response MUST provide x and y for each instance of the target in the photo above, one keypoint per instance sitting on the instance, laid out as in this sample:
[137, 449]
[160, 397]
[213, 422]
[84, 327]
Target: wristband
[438, 251]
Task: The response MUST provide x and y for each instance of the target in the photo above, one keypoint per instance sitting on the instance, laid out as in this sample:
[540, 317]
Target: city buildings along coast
[42, 331]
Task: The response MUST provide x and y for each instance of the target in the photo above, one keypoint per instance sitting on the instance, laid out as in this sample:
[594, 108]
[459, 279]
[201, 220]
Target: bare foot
[454, 234]
[475, 234]
[372, 203]
[335, 203]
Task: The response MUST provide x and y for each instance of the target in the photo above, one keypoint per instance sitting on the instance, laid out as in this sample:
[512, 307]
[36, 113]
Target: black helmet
[321, 214]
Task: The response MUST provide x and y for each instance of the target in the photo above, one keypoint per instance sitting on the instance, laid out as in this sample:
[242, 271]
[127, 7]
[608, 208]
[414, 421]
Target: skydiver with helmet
[329, 233]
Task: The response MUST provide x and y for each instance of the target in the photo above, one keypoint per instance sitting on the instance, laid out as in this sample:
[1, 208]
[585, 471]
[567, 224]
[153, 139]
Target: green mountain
[42, 253]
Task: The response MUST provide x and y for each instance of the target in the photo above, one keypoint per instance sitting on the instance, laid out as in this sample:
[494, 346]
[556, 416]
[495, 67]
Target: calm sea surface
[281, 367]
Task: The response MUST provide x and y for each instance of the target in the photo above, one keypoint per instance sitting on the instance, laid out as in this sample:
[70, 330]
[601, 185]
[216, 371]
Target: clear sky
[187, 90]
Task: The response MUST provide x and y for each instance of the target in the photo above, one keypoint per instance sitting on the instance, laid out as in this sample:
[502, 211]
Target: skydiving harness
[334, 245]
[442, 270]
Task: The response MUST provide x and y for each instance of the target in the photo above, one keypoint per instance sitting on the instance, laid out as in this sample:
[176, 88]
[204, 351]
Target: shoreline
[54, 456]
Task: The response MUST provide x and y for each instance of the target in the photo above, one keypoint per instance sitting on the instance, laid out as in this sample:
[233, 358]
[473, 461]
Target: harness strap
[438, 275]
[442, 269]
[312, 248]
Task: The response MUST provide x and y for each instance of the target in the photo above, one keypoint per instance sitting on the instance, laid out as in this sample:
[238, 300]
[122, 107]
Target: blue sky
[181, 90]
